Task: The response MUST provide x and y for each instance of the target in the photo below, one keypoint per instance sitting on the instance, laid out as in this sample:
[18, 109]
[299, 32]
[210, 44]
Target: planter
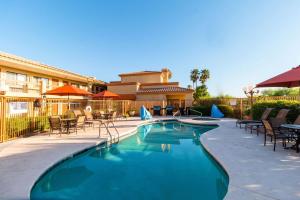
[131, 113]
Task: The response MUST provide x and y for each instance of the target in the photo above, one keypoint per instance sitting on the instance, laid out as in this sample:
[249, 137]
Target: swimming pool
[162, 160]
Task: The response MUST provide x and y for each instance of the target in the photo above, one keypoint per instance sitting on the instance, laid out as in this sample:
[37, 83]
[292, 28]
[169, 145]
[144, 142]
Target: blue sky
[240, 42]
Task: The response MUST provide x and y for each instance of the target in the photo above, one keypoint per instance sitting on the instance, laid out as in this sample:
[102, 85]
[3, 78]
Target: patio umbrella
[68, 90]
[290, 78]
[105, 95]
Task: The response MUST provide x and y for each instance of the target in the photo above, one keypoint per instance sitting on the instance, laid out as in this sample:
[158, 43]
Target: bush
[226, 110]
[206, 110]
[294, 106]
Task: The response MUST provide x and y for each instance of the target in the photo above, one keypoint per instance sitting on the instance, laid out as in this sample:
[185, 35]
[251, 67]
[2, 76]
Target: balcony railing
[22, 86]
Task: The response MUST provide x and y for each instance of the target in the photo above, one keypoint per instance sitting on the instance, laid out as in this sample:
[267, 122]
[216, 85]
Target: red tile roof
[165, 90]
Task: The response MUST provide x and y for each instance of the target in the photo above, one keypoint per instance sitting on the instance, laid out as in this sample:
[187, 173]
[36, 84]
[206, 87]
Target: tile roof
[164, 90]
[139, 73]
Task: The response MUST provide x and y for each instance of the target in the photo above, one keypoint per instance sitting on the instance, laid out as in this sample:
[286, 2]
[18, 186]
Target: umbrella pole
[69, 102]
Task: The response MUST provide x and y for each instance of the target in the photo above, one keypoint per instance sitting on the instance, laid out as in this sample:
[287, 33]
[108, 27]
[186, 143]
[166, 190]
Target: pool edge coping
[132, 132]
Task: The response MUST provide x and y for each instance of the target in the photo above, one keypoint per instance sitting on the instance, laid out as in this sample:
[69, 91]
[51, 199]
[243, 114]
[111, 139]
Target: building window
[15, 78]
[75, 85]
[37, 80]
[17, 107]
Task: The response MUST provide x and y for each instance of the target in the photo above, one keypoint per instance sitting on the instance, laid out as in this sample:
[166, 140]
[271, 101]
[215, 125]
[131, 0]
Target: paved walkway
[23, 160]
[255, 171]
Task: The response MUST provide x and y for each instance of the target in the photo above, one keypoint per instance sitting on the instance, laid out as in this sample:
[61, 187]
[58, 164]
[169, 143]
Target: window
[37, 80]
[75, 85]
[18, 107]
[15, 77]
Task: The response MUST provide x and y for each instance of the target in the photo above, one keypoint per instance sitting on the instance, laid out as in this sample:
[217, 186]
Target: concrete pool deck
[255, 171]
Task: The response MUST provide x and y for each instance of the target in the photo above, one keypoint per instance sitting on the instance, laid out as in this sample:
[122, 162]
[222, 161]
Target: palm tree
[205, 75]
[194, 76]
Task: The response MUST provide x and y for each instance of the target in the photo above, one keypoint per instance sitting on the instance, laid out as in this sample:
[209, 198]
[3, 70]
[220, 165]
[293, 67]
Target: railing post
[3, 121]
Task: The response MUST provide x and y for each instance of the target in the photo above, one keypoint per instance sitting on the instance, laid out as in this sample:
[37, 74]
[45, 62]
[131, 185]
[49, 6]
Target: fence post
[241, 107]
[3, 116]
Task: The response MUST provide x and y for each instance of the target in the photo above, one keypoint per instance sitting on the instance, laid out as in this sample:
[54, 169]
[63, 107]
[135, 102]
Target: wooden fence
[21, 117]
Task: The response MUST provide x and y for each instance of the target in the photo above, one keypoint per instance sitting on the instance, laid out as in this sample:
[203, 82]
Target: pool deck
[255, 171]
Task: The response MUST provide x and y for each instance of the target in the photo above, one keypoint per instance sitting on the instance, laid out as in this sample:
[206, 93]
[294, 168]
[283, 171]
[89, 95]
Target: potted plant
[131, 112]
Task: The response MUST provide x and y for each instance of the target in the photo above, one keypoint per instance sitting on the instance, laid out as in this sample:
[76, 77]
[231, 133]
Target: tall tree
[202, 90]
[194, 76]
[204, 76]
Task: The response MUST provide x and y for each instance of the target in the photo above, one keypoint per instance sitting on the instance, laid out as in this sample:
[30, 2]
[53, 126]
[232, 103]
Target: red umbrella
[289, 79]
[68, 90]
[106, 95]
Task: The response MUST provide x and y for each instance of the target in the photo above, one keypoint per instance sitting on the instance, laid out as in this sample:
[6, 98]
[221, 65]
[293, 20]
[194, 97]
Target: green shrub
[294, 106]
[204, 109]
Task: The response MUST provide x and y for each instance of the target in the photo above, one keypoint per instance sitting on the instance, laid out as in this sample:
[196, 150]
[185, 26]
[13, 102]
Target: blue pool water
[161, 161]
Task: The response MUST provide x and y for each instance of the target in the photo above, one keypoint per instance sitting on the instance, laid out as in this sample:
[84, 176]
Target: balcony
[25, 87]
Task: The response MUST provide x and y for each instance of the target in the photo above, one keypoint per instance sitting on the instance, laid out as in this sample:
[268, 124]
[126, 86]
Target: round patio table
[296, 130]
[68, 122]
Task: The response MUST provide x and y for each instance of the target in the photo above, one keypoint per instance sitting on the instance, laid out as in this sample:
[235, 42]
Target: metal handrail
[177, 113]
[197, 112]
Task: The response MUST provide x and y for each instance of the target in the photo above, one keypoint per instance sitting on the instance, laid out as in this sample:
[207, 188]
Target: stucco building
[20, 77]
[151, 86]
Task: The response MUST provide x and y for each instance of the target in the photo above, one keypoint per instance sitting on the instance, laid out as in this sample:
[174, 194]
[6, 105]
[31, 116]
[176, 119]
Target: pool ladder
[200, 113]
[112, 139]
[177, 113]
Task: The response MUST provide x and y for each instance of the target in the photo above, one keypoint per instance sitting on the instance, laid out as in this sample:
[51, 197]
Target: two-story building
[151, 86]
[22, 79]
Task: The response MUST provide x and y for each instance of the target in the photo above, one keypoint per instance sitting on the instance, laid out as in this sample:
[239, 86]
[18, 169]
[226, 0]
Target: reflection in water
[161, 161]
[70, 177]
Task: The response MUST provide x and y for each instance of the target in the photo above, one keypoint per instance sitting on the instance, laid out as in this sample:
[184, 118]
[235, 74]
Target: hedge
[294, 106]
[206, 110]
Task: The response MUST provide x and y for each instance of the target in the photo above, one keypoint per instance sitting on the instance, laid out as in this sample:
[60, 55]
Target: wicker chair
[264, 116]
[89, 119]
[269, 131]
[275, 121]
[55, 124]
[80, 123]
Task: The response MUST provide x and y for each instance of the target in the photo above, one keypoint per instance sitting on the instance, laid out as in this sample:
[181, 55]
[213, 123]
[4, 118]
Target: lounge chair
[264, 116]
[269, 131]
[275, 122]
[55, 124]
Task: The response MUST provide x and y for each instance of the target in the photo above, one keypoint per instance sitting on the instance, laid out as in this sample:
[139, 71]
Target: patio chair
[275, 135]
[77, 113]
[156, 110]
[89, 119]
[279, 119]
[264, 116]
[55, 124]
[169, 110]
[80, 123]
[275, 122]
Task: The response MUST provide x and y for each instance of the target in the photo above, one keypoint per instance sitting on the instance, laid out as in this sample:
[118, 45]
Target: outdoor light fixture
[250, 91]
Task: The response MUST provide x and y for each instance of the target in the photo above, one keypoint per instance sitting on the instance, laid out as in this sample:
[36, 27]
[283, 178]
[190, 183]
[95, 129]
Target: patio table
[296, 130]
[68, 122]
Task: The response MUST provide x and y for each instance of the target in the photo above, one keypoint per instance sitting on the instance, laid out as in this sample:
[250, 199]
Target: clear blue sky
[241, 42]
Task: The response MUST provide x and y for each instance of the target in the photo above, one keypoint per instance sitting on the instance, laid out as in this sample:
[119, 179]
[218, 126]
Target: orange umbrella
[68, 90]
[106, 95]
